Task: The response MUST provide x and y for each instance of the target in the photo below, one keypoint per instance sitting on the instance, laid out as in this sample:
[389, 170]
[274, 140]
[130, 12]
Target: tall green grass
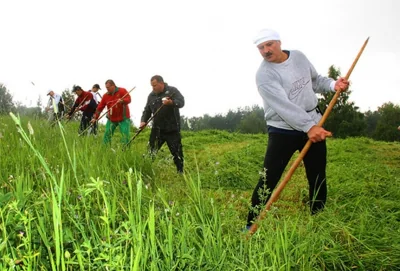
[70, 203]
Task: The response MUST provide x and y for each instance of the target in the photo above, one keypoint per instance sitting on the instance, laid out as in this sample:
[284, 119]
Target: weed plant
[71, 203]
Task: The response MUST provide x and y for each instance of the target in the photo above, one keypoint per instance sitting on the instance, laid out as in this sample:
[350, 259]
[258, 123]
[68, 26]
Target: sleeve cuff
[308, 127]
[332, 85]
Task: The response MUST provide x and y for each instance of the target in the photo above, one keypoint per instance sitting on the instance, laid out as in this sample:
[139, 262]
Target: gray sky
[204, 48]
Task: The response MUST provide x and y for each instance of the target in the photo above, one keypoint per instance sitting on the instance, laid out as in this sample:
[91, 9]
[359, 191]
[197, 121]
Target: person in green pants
[117, 100]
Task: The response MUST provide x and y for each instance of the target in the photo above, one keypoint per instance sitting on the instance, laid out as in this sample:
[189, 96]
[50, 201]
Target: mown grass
[70, 203]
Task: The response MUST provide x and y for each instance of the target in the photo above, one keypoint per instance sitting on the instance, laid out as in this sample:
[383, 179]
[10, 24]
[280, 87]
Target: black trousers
[94, 127]
[85, 121]
[280, 149]
[173, 139]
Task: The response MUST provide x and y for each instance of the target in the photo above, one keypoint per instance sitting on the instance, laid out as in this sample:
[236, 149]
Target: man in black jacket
[163, 104]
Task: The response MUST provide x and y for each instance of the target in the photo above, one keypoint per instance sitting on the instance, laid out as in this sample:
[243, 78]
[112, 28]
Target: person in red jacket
[117, 100]
[85, 103]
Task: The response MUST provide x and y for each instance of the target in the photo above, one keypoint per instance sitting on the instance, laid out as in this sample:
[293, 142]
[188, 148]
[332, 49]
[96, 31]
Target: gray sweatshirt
[288, 92]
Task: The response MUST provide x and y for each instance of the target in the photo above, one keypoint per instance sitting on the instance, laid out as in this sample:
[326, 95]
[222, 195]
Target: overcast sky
[204, 48]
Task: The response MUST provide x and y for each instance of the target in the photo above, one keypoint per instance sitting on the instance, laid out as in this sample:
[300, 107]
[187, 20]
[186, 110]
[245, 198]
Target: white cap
[48, 92]
[266, 35]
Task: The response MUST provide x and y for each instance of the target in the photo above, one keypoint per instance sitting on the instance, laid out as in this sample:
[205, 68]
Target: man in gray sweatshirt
[287, 83]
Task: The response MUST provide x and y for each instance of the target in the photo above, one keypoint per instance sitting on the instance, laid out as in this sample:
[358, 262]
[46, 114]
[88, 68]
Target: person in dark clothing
[163, 104]
[85, 103]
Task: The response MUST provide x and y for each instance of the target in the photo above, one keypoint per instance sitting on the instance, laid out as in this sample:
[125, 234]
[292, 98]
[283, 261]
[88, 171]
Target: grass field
[70, 203]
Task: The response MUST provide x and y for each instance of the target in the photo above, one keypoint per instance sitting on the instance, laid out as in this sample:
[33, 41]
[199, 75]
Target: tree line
[345, 119]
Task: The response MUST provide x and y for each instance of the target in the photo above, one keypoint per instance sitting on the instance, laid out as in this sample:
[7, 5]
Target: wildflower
[11, 177]
[217, 163]
[21, 234]
[177, 214]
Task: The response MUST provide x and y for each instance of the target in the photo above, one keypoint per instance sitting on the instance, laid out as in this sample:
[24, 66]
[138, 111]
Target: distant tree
[371, 120]
[253, 121]
[39, 104]
[345, 119]
[69, 100]
[34, 112]
[389, 120]
[233, 119]
[184, 125]
[203, 123]
[218, 122]
[6, 100]
[247, 120]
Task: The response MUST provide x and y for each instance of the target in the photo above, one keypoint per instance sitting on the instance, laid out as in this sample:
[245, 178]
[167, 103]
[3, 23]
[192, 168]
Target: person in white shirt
[97, 98]
[96, 95]
[55, 107]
